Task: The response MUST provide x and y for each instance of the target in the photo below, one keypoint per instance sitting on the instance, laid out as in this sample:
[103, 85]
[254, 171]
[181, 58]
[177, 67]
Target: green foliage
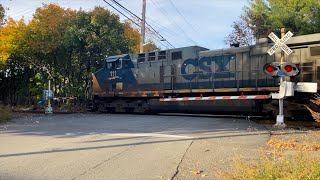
[299, 16]
[150, 46]
[2, 13]
[133, 37]
[261, 17]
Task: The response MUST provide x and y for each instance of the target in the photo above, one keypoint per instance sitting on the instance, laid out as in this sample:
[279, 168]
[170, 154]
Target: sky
[185, 23]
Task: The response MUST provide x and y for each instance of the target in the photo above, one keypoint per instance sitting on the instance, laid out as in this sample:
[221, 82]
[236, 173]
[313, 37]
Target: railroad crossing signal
[280, 43]
[277, 69]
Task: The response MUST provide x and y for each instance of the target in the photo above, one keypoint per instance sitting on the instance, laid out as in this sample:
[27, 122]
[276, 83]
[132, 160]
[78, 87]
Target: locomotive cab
[118, 72]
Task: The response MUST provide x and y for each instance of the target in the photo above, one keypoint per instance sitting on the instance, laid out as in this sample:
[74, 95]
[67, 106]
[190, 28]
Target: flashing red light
[269, 69]
[288, 68]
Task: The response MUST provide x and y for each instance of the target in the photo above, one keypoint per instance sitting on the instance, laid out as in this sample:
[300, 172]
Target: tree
[2, 13]
[299, 16]
[43, 47]
[133, 36]
[241, 34]
[10, 36]
[12, 79]
[63, 45]
[264, 16]
[150, 46]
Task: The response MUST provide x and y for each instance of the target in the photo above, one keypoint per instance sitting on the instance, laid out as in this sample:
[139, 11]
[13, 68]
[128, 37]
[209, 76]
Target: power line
[135, 16]
[181, 15]
[120, 12]
[156, 3]
[192, 26]
[185, 19]
[127, 17]
[121, 6]
[164, 28]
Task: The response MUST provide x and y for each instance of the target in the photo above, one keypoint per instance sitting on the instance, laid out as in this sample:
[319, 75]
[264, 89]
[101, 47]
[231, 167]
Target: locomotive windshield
[113, 62]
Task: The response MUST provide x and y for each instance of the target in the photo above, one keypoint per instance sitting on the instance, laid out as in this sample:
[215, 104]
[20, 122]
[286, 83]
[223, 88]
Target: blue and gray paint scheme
[192, 67]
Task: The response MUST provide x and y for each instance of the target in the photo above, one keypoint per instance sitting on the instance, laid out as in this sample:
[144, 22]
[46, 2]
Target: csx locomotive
[198, 80]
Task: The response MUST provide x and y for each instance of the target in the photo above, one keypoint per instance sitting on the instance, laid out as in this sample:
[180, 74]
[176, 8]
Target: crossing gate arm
[212, 98]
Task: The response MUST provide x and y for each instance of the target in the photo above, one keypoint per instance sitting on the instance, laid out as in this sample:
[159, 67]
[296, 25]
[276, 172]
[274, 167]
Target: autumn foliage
[63, 45]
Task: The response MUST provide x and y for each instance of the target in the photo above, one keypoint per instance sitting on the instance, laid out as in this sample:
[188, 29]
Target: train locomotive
[198, 80]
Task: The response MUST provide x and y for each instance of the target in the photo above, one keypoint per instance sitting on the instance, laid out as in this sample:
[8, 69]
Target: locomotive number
[113, 73]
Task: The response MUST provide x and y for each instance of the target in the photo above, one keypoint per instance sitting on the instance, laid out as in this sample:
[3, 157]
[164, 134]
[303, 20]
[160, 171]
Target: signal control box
[286, 90]
[309, 87]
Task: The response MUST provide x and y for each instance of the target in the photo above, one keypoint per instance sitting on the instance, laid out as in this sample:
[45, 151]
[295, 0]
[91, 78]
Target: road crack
[113, 157]
[177, 169]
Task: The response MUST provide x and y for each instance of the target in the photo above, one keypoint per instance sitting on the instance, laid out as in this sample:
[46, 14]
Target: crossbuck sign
[280, 43]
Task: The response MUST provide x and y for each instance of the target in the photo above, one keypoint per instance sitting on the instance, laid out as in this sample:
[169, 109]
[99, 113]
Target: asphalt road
[119, 146]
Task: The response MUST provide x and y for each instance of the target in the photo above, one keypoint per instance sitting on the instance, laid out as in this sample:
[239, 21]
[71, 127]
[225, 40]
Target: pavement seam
[86, 171]
[177, 169]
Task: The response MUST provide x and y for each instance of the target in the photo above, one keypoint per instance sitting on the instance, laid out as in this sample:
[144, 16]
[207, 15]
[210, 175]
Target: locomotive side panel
[193, 71]
[160, 70]
[179, 65]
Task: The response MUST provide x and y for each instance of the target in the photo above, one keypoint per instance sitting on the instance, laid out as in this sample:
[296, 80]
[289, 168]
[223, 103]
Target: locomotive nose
[96, 88]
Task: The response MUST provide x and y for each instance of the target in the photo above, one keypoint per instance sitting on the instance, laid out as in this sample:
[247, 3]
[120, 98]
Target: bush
[299, 166]
[5, 113]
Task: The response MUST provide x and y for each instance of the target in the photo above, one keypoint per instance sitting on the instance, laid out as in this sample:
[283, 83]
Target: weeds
[279, 163]
[315, 115]
[5, 113]
[299, 166]
[316, 101]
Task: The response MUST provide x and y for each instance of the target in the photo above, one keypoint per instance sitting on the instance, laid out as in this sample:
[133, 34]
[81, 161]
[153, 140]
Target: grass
[295, 155]
[299, 166]
[5, 114]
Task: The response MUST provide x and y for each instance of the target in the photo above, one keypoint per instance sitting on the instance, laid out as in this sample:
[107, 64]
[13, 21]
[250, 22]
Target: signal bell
[276, 69]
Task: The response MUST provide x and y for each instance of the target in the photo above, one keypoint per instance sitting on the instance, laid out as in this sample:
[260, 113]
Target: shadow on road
[77, 125]
[122, 145]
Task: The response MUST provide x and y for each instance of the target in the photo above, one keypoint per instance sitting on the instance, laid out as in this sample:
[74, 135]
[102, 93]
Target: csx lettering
[204, 65]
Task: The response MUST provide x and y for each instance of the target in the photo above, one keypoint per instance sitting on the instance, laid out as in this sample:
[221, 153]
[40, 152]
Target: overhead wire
[20, 14]
[165, 29]
[121, 13]
[192, 26]
[163, 11]
[129, 18]
[148, 25]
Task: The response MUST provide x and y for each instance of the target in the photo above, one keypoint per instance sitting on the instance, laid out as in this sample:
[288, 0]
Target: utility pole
[143, 25]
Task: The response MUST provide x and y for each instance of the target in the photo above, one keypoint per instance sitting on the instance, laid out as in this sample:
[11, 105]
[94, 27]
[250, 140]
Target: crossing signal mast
[282, 69]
